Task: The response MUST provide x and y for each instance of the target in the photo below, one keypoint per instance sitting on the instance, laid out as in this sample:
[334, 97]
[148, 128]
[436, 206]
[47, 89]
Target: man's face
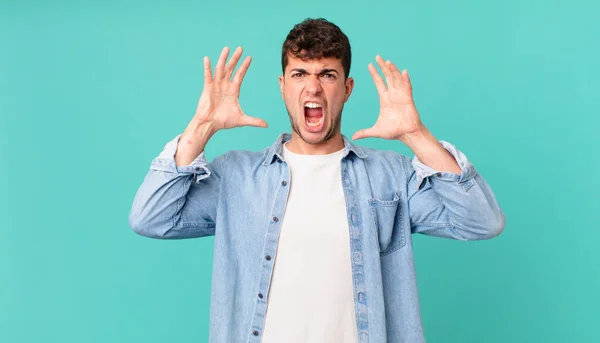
[314, 92]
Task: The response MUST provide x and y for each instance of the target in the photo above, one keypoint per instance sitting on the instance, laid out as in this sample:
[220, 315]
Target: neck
[298, 146]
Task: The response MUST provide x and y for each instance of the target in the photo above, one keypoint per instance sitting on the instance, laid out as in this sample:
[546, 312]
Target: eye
[298, 74]
[329, 76]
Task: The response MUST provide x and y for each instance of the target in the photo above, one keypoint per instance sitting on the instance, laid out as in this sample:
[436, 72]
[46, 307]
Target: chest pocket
[388, 219]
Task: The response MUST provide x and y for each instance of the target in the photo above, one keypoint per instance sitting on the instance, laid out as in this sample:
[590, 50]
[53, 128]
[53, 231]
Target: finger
[406, 80]
[364, 133]
[396, 74]
[232, 62]
[241, 72]
[207, 71]
[379, 84]
[253, 121]
[219, 69]
[384, 69]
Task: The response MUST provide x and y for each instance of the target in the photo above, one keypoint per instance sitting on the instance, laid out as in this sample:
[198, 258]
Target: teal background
[91, 91]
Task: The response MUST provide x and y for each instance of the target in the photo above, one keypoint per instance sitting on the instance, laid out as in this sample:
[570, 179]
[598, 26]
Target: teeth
[314, 124]
[312, 105]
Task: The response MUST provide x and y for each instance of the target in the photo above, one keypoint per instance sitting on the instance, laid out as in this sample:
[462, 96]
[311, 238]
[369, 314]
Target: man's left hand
[398, 115]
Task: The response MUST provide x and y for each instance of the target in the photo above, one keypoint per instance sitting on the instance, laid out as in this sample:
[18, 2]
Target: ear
[349, 87]
[281, 82]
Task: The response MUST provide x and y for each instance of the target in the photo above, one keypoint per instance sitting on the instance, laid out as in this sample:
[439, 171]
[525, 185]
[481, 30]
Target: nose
[313, 85]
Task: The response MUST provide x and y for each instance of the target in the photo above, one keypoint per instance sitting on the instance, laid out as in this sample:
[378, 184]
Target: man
[313, 234]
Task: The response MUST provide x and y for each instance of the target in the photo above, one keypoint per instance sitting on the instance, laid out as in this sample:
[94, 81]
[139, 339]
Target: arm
[447, 197]
[176, 202]
[452, 205]
[179, 196]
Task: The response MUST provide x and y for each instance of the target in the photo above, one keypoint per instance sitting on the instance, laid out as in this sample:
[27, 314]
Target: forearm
[430, 152]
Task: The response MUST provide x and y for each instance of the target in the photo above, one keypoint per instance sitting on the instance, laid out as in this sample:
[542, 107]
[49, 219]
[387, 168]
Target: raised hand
[219, 102]
[218, 107]
[398, 116]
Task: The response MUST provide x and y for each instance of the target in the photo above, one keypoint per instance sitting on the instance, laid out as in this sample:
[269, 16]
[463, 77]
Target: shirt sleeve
[178, 202]
[467, 170]
[165, 162]
[456, 206]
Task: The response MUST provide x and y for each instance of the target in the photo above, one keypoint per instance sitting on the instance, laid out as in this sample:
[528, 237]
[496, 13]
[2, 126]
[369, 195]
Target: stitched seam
[436, 224]
[387, 203]
[374, 218]
[347, 191]
[468, 184]
[179, 203]
[201, 225]
[401, 242]
[404, 163]
[224, 177]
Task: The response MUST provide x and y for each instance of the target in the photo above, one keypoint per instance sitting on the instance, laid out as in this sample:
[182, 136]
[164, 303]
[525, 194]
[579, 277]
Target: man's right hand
[218, 107]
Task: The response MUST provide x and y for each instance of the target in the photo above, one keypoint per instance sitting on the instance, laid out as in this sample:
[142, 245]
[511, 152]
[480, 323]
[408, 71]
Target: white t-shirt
[311, 298]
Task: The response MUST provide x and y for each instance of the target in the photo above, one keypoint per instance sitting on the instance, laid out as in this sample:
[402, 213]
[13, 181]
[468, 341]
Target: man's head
[315, 59]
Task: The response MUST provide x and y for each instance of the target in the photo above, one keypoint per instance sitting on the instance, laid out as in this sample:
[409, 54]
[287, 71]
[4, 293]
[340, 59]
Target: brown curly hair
[314, 39]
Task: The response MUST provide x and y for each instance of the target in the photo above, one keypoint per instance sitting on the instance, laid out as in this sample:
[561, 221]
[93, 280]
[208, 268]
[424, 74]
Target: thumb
[364, 133]
[252, 121]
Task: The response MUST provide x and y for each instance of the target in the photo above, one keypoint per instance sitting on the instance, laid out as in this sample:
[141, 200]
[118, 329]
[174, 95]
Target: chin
[315, 137]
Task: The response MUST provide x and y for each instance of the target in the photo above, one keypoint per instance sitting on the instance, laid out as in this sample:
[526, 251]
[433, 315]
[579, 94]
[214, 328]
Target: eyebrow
[323, 71]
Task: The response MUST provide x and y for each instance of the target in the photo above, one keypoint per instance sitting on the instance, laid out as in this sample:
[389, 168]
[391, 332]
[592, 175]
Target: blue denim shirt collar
[277, 147]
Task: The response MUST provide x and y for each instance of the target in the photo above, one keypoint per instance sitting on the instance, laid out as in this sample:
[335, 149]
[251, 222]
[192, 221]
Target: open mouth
[313, 116]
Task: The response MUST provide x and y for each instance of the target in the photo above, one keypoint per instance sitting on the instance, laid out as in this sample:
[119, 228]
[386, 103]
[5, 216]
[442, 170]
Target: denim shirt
[240, 198]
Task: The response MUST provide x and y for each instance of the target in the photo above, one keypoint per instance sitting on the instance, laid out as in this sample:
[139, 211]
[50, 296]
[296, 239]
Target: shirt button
[197, 168]
[284, 183]
[260, 295]
[438, 174]
[275, 219]
[255, 333]
[268, 257]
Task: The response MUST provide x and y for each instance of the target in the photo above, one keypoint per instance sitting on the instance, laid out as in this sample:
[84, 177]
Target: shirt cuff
[465, 178]
[165, 162]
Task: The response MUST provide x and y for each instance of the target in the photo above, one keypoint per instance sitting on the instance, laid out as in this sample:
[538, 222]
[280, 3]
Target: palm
[228, 113]
[219, 102]
[398, 115]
